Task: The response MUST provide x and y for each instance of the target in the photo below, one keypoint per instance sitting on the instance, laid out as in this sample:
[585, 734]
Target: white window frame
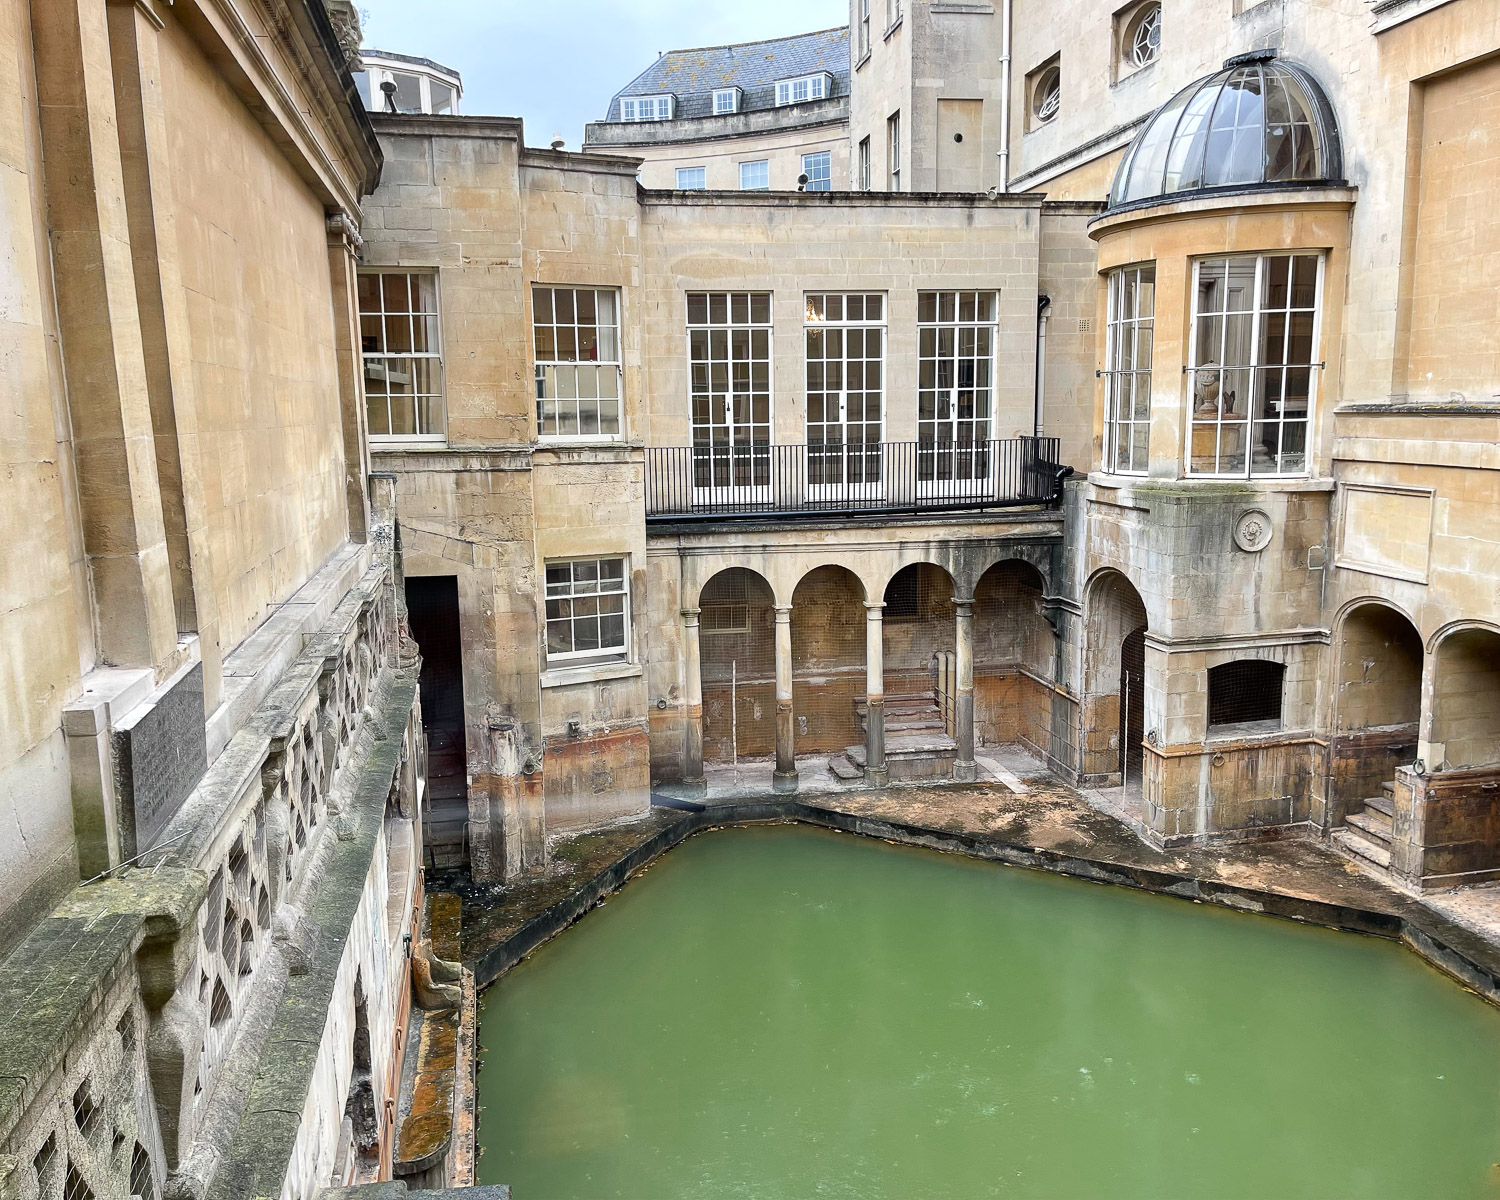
[434, 356]
[862, 165]
[1247, 421]
[860, 473]
[377, 74]
[726, 100]
[864, 28]
[802, 89]
[759, 187]
[692, 187]
[648, 108]
[542, 365]
[827, 178]
[1121, 345]
[620, 653]
[956, 468]
[739, 454]
[893, 149]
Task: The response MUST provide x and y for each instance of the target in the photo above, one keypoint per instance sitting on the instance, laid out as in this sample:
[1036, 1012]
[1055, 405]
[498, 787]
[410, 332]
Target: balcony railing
[710, 483]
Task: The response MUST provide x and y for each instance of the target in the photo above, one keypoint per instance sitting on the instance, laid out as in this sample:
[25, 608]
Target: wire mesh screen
[1132, 707]
[737, 645]
[1014, 652]
[1112, 716]
[919, 629]
[1245, 691]
[828, 660]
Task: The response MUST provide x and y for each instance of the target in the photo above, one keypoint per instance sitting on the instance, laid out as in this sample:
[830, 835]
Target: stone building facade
[212, 761]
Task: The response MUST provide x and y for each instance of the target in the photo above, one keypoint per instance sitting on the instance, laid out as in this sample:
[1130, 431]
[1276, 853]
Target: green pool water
[785, 1012]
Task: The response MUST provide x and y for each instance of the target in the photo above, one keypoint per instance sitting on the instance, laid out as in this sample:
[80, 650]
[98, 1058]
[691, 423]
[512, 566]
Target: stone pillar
[692, 667]
[785, 778]
[876, 772]
[963, 701]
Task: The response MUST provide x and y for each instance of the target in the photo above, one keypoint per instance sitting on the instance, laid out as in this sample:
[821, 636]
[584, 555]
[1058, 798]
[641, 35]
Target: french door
[845, 355]
[956, 336]
[729, 351]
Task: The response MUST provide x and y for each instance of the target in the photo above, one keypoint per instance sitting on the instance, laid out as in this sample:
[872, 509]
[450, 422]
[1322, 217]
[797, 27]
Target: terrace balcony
[713, 482]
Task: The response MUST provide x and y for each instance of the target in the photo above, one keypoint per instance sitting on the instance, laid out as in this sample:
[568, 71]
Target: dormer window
[647, 108]
[726, 100]
[799, 91]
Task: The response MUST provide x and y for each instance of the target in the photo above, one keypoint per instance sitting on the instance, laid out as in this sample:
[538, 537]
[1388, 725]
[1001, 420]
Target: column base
[878, 776]
[965, 772]
[784, 781]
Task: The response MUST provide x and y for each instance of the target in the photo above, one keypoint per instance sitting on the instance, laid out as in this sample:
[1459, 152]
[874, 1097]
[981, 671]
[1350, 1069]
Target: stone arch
[1113, 709]
[828, 658]
[920, 637]
[1466, 697]
[1014, 656]
[737, 662]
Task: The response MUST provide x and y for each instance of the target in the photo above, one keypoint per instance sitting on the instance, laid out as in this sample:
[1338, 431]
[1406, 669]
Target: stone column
[692, 667]
[785, 778]
[876, 772]
[963, 702]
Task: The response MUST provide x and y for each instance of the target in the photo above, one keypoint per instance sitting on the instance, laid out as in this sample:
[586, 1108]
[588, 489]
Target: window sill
[892, 27]
[377, 444]
[569, 674]
[583, 439]
[863, 58]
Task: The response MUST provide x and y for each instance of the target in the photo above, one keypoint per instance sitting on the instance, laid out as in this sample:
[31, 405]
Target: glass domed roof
[1256, 122]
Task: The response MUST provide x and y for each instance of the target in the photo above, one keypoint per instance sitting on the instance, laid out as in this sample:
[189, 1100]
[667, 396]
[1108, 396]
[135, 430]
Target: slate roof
[754, 67]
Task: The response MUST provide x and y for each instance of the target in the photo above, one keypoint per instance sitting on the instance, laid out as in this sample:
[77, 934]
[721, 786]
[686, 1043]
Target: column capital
[783, 612]
[875, 609]
[690, 615]
[964, 604]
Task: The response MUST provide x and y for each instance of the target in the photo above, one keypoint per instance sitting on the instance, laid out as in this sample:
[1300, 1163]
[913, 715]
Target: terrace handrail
[715, 482]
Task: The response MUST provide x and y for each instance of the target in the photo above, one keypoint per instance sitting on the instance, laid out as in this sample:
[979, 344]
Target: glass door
[845, 354]
[956, 335]
[729, 350]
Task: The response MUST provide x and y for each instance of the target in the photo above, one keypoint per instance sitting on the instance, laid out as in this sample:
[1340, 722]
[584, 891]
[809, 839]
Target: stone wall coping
[767, 199]
[721, 127]
[1236, 200]
[428, 125]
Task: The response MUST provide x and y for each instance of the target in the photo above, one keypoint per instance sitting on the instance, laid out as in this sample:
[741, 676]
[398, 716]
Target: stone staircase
[917, 745]
[1366, 836]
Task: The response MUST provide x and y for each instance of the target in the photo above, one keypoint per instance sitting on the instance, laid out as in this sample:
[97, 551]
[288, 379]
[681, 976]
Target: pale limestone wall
[46, 637]
[252, 249]
[1066, 275]
[721, 157]
[791, 245]
[881, 84]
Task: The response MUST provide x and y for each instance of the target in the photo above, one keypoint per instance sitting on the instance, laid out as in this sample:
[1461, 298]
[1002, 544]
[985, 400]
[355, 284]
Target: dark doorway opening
[432, 610]
[1132, 708]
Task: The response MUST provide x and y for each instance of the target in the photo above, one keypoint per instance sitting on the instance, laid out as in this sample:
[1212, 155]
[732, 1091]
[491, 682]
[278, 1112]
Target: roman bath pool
[783, 1012]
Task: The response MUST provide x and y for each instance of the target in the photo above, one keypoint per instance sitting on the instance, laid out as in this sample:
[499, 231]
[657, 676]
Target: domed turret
[1257, 123]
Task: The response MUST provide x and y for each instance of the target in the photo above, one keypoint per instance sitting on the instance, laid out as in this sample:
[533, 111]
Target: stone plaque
[160, 753]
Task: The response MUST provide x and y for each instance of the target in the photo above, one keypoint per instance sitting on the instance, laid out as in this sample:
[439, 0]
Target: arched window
[1244, 693]
[1046, 95]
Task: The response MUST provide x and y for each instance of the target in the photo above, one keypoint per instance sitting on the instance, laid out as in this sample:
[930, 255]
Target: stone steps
[1382, 804]
[1366, 835]
[1358, 848]
[1372, 825]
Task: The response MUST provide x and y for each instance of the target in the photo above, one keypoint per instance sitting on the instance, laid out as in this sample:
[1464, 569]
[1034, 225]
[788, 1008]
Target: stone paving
[1019, 812]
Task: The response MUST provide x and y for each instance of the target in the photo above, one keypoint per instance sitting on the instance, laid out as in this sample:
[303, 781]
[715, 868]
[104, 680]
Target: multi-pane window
[398, 325]
[729, 352]
[692, 179]
[576, 334]
[1254, 338]
[819, 171]
[799, 91]
[893, 149]
[1127, 373]
[892, 13]
[864, 27]
[588, 609]
[845, 355]
[726, 100]
[755, 176]
[956, 336]
[863, 182]
[646, 108]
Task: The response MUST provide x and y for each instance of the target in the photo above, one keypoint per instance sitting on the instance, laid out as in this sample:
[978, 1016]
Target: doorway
[432, 611]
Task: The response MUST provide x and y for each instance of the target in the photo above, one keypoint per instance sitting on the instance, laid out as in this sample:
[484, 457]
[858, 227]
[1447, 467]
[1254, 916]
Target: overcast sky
[556, 63]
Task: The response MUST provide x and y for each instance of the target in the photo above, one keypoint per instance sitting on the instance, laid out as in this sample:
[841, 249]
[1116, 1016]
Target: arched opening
[1466, 699]
[828, 659]
[737, 649]
[1014, 655]
[920, 636]
[1377, 706]
[1112, 724]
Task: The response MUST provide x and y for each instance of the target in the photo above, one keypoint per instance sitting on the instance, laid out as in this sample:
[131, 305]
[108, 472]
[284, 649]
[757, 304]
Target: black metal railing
[715, 482]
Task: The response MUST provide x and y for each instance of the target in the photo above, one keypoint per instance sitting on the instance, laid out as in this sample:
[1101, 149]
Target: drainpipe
[1043, 303]
[1004, 153]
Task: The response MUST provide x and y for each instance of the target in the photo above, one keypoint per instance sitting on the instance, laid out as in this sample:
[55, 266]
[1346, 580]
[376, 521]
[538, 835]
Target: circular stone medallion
[1252, 531]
